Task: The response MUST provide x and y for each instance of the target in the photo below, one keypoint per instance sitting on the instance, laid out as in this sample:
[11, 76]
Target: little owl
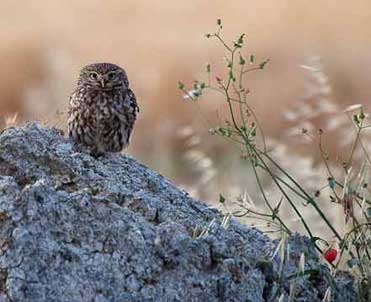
[102, 109]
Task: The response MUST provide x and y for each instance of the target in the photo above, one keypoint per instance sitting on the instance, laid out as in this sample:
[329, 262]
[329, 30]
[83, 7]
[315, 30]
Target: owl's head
[103, 76]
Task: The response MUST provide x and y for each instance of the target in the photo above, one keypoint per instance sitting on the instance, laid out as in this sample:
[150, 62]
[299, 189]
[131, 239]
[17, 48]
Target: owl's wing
[128, 108]
[132, 100]
[73, 105]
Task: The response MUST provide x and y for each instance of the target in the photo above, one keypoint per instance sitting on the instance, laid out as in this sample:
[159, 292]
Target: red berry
[330, 254]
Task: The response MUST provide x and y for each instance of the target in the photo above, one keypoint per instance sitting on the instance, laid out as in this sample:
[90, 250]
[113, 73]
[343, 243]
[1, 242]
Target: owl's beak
[103, 83]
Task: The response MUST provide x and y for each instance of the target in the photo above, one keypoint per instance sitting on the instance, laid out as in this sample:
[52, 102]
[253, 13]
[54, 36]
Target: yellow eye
[93, 75]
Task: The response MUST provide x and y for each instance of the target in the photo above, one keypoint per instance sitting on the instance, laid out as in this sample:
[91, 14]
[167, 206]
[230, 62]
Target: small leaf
[252, 59]
[253, 130]
[180, 85]
[218, 22]
[242, 60]
[221, 198]
[262, 64]
[356, 119]
[231, 76]
[362, 115]
[228, 132]
[208, 68]
[196, 94]
[240, 39]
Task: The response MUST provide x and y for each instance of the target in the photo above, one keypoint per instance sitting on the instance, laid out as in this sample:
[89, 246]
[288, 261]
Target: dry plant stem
[281, 271]
[364, 150]
[354, 145]
[254, 212]
[366, 240]
[260, 216]
[356, 224]
[358, 138]
[324, 159]
[344, 246]
[358, 196]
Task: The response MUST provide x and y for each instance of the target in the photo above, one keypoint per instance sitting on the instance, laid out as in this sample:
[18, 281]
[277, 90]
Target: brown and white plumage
[102, 109]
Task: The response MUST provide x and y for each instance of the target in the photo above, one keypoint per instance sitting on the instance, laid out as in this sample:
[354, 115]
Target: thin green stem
[217, 35]
[284, 194]
[309, 199]
[266, 200]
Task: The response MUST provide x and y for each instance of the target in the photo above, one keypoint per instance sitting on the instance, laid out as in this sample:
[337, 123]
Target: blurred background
[43, 45]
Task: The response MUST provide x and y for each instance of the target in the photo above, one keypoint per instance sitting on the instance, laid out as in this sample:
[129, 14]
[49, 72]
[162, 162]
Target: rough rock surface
[75, 228]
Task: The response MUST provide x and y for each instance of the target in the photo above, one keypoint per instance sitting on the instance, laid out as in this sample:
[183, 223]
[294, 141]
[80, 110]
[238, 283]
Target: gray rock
[75, 228]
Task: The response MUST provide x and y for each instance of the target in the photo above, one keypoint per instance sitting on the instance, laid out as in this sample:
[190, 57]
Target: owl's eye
[93, 75]
[112, 76]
